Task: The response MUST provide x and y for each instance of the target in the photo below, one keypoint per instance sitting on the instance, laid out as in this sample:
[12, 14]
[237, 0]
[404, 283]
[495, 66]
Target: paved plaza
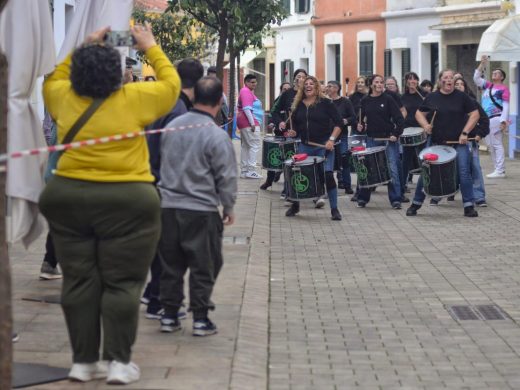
[308, 303]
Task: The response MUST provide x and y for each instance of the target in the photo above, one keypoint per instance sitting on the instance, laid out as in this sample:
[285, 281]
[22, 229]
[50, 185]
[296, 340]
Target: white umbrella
[501, 40]
[91, 15]
[26, 38]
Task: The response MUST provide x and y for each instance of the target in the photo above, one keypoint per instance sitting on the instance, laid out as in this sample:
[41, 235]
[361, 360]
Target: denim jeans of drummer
[394, 164]
[479, 192]
[464, 163]
[345, 166]
[329, 167]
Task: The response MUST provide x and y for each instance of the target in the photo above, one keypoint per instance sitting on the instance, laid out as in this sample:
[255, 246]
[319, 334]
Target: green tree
[178, 33]
[238, 23]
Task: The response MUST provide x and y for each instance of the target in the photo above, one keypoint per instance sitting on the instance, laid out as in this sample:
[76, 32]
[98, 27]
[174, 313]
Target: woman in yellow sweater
[102, 208]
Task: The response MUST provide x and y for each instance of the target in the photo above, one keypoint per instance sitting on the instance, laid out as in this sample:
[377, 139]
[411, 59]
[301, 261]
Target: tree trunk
[232, 75]
[222, 42]
[6, 320]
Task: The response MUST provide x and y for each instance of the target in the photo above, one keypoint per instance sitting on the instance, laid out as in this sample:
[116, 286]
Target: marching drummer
[454, 116]
[382, 121]
[317, 122]
[412, 99]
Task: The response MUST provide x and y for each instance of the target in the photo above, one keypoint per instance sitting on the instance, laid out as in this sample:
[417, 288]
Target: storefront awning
[460, 25]
[246, 58]
[501, 41]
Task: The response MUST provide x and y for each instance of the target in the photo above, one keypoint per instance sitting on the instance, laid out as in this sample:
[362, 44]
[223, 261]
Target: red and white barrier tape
[94, 141]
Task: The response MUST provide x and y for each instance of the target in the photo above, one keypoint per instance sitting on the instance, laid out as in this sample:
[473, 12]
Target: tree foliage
[178, 33]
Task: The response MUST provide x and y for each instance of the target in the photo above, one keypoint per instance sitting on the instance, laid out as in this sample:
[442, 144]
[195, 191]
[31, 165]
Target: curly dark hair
[95, 71]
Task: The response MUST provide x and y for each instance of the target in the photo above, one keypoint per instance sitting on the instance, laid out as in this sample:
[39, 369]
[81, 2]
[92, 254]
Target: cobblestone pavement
[307, 303]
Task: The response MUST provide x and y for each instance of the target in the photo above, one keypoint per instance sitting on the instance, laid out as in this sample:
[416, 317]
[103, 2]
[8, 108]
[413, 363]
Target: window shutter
[405, 58]
[388, 62]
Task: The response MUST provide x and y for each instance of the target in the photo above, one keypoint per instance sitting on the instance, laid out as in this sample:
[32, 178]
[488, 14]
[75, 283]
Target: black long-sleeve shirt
[355, 99]
[383, 117]
[412, 101]
[482, 127]
[282, 108]
[316, 122]
[346, 111]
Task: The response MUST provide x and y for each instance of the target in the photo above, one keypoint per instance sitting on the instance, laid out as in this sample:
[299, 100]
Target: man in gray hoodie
[198, 173]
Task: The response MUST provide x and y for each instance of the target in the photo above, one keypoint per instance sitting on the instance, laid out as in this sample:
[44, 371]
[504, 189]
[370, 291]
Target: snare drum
[413, 136]
[440, 176]
[371, 167]
[306, 178]
[276, 150]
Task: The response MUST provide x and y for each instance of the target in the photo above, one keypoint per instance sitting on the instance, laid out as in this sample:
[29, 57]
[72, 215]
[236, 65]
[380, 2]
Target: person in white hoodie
[495, 102]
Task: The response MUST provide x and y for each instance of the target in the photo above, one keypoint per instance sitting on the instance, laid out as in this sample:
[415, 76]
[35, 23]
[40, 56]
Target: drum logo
[289, 154]
[275, 157]
[300, 182]
[361, 170]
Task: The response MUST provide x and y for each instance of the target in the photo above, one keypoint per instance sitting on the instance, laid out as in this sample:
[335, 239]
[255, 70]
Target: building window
[434, 62]
[388, 62]
[287, 5]
[366, 58]
[287, 71]
[301, 6]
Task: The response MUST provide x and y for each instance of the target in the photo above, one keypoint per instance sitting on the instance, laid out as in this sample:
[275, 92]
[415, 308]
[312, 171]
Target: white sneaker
[122, 374]
[84, 372]
[319, 203]
[496, 175]
[253, 175]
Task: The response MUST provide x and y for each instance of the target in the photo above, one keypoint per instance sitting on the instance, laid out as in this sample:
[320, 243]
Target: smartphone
[119, 38]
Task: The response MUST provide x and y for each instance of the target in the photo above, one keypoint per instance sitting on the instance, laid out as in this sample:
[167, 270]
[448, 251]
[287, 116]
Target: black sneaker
[481, 203]
[450, 198]
[412, 210]
[170, 324]
[15, 337]
[154, 313]
[361, 205]
[335, 215]
[354, 198]
[204, 328]
[470, 212]
[404, 199]
[396, 205]
[434, 202]
[293, 210]
[349, 190]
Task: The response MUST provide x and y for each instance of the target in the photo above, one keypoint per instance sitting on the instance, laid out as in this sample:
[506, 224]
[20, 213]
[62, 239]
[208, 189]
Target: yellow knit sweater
[129, 109]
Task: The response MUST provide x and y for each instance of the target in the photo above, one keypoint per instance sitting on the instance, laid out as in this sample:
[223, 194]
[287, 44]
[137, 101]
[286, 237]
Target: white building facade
[411, 44]
[295, 41]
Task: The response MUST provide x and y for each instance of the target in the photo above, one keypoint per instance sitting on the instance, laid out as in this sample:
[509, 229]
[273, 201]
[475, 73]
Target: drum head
[308, 161]
[411, 131]
[445, 153]
[374, 149]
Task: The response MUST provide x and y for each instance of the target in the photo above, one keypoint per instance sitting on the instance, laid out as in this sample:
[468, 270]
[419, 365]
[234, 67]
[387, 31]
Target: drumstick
[381, 139]
[315, 144]
[433, 118]
[422, 97]
[456, 142]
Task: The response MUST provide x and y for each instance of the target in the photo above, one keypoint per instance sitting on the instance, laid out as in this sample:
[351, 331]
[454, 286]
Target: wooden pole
[6, 319]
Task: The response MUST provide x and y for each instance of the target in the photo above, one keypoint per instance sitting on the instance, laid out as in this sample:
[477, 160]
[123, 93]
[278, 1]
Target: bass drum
[371, 167]
[440, 178]
[306, 178]
[276, 150]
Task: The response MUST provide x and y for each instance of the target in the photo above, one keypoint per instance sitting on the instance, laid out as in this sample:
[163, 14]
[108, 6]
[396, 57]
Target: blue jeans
[464, 163]
[329, 167]
[345, 157]
[479, 192]
[394, 165]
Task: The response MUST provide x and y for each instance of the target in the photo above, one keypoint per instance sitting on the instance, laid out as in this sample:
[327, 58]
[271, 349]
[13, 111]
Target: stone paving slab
[308, 303]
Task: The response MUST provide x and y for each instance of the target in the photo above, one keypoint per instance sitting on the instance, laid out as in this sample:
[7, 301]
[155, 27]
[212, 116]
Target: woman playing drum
[455, 115]
[317, 122]
[383, 123]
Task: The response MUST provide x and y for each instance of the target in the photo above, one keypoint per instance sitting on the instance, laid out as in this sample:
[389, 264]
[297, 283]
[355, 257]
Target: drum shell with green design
[276, 150]
[440, 177]
[306, 178]
[371, 166]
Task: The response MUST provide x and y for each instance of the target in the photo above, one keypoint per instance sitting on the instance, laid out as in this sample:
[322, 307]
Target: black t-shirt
[396, 97]
[452, 114]
[282, 107]
[412, 101]
[383, 117]
[356, 98]
[346, 111]
[316, 122]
